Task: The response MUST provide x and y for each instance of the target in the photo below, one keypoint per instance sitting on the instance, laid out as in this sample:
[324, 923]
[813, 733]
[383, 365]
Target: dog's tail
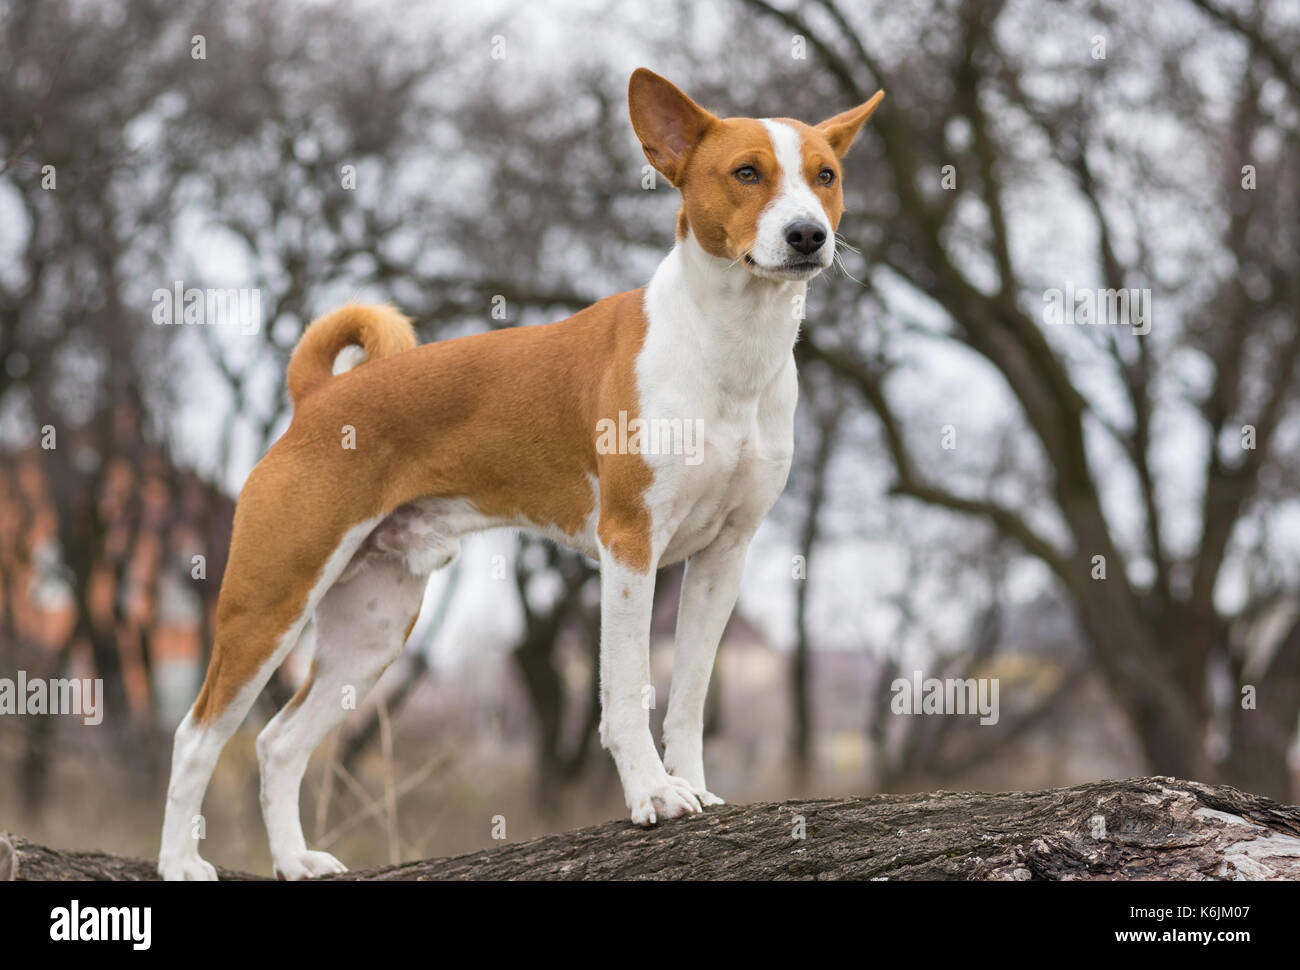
[339, 341]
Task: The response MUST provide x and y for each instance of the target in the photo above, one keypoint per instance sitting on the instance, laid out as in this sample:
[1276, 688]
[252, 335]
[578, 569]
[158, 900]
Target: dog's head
[762, 193]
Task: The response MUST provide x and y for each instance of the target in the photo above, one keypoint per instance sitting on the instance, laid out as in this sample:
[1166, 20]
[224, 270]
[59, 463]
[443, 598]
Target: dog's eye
[826, 176]
[746, 173]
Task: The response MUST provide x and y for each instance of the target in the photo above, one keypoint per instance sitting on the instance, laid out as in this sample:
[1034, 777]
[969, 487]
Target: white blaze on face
[794, 201]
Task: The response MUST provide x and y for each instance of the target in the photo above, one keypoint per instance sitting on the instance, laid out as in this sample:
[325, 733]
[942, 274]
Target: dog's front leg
[627, 694]
[709, 589]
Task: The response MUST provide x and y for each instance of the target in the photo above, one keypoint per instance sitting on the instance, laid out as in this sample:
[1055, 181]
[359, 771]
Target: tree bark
[1142, 828]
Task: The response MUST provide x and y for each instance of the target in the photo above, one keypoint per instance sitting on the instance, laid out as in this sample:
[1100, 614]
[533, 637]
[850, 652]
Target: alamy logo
[1098, 307]
[240, 308]
[651, 436]
[72, 924]
[83, 697]
[922, 695]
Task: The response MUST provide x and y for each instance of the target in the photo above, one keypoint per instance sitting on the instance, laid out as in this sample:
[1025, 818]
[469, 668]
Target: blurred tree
[75, 355]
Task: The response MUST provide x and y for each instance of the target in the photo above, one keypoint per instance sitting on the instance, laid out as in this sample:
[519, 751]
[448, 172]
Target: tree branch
[909, 482]
[1148, 828]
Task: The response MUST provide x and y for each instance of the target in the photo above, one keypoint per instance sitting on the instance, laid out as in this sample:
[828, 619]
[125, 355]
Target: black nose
[805, 237]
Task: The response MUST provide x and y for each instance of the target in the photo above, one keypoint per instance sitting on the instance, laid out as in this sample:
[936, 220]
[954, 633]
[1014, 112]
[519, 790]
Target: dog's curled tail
[339, 341]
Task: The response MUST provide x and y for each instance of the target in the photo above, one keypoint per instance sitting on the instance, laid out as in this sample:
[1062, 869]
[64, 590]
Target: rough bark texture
[1142, 828]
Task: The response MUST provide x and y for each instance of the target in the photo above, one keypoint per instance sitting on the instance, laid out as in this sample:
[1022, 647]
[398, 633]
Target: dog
[396, 451]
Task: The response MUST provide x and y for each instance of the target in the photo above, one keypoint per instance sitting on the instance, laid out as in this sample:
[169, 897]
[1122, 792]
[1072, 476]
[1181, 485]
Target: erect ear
[843, 128]
[668, 123]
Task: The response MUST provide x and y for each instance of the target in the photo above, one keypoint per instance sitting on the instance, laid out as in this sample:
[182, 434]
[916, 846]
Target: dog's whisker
[839, 264]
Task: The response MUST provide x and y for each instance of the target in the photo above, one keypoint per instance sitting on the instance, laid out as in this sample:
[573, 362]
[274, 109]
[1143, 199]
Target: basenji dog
[396, 451]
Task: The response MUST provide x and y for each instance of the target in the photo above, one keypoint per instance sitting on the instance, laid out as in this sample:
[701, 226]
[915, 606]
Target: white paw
[670, 798]
[189, 868]
[708, 799]
[694, 779]
[307, 864]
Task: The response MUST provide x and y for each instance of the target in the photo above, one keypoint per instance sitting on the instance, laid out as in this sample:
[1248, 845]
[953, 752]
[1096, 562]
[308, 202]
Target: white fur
[626, 693]
[719, 349]
[361, 626]
[424, 535]
[348, 358]
[794, 201]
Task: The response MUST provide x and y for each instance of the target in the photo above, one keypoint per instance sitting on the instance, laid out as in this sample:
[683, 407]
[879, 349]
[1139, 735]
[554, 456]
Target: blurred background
[1102, 521]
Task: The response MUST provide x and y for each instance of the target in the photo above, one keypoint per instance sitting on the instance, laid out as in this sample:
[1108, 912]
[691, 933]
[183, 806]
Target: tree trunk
[1168, 723]
[1142, 828]
[1262, 730]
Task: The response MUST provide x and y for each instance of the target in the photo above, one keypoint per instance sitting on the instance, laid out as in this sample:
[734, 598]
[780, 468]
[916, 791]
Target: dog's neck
[738, 328]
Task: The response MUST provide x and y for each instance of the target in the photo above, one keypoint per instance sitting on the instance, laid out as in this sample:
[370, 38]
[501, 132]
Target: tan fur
[409, 627]
[723, 211]
[381, 330]
[507, 418]
[303, 690]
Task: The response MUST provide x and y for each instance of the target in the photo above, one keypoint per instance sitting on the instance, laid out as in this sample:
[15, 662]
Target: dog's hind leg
[198, 743]
[255, 632]
[361, 625]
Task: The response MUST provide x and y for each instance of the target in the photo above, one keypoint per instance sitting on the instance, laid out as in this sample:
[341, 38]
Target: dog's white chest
[742, 469]
[731, 465]
[717, 386]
